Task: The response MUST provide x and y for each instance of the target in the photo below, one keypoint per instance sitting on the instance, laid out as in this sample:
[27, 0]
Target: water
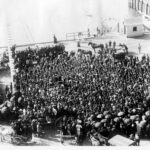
[38, 20]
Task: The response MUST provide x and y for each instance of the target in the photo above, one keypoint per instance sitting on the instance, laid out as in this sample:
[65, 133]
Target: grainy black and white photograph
[75, 73]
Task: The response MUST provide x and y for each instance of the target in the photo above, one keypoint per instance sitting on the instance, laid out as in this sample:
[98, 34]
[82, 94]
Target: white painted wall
[131, 33]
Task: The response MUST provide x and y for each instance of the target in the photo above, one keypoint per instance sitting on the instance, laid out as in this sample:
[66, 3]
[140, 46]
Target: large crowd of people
[86, 96]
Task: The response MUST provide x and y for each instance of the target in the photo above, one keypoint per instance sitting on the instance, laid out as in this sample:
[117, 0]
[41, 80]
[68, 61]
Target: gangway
[77, 35]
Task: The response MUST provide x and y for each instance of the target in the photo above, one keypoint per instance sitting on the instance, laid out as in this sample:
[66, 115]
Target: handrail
[76, 35]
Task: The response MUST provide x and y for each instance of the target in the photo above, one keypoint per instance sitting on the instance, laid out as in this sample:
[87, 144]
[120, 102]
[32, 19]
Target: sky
[29, 21]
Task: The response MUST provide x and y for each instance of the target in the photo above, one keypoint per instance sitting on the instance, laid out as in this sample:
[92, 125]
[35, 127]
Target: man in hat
[55, 39]
[139, 48]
